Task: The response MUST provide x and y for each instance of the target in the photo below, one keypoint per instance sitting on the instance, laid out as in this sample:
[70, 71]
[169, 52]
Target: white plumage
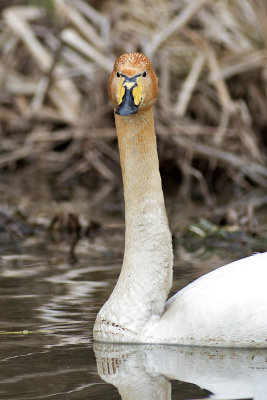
[226, 307]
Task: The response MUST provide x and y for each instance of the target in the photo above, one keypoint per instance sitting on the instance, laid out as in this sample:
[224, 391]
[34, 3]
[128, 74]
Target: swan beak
[130, 95]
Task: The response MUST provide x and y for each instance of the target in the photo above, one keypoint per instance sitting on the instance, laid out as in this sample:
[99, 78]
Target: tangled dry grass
[211, 60]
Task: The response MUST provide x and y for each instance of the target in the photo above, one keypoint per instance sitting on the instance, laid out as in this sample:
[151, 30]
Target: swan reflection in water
[145, 371]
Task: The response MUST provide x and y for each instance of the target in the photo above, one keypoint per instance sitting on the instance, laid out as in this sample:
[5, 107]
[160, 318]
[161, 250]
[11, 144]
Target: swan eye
[118, 74]
[144, 74]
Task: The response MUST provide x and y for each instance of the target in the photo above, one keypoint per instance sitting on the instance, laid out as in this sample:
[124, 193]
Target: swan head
[133, 84]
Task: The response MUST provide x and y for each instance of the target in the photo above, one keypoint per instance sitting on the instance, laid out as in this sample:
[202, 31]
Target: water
[48, 305]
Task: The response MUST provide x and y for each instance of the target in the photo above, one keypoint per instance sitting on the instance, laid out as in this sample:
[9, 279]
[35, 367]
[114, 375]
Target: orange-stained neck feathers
[147, 237]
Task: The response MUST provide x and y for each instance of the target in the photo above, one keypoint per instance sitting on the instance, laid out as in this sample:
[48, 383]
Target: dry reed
[212, 64]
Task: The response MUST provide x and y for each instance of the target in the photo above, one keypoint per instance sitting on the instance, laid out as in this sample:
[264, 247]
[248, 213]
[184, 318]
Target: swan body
[226, 307]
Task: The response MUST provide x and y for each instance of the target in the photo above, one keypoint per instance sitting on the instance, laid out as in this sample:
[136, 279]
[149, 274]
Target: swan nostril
[118, 74]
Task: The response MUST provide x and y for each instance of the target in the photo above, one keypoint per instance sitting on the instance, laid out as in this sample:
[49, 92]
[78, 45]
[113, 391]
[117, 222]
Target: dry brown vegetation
[211, 116]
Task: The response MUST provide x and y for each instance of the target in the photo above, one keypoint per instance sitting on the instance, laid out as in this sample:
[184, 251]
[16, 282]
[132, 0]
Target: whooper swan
[226, 307]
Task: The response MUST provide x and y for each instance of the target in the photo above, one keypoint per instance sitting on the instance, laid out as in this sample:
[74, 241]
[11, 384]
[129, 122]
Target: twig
[189, 85]
[73, 15]
[250, 62]
[164, 80]
[71, 37]
[68, 105]
[44, 83]
[222, 127]
[176, 24]
[16, 18]
[99, 195]
[96, 17]
[98, 165]
[256, 172]
[220, 85]
[21, 153]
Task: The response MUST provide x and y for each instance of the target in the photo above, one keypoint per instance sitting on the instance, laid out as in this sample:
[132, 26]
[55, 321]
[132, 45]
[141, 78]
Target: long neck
[146, 274]
[145, 215]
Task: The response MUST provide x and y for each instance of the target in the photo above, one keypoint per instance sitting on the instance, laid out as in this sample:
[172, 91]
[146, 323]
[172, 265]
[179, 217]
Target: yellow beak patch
[137, 91]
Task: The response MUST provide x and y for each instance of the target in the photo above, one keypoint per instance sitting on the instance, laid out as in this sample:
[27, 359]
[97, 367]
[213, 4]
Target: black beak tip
[125, 111]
